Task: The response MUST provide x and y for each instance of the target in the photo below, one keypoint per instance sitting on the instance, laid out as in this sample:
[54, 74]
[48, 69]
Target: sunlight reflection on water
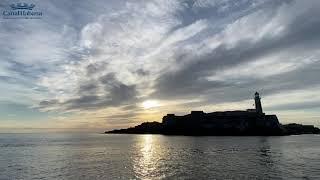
[147, 161]
[143, 163]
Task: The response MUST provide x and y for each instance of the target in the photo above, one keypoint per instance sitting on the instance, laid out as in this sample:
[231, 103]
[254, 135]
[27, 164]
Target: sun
[150, 104]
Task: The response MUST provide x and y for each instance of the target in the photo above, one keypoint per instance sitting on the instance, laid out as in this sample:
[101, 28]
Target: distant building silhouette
[248, 122]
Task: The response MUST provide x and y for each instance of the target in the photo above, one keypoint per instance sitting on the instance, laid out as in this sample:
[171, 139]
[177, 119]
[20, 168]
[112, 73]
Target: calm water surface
[100, 156]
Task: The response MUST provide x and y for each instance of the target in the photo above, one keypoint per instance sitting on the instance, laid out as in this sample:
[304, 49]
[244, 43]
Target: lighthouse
[258, 103]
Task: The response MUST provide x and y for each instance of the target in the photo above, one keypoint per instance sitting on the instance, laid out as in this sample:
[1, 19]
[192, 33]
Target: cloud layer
[100, 61]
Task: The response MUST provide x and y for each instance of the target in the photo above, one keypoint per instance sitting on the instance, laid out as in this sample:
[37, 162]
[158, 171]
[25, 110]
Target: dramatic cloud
[95, 63]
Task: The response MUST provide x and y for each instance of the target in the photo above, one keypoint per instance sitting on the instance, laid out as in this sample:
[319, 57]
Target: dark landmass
[296, 129]
[252, 122]
[210, 125]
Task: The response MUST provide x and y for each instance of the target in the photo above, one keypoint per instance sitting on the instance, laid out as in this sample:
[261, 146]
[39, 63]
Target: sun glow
[150, 104]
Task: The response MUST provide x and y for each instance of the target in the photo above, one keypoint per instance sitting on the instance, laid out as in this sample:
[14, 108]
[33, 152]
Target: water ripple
[92, 156]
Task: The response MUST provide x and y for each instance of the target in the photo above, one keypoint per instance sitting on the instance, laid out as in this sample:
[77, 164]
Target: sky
[99, 65]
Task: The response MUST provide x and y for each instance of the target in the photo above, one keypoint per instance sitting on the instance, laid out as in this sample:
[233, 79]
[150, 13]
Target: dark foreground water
[100, 156]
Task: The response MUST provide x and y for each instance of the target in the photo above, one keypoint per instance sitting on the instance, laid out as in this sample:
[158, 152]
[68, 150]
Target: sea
[109, 156]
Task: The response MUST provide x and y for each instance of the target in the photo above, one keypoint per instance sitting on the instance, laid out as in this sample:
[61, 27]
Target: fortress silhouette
[235, 123]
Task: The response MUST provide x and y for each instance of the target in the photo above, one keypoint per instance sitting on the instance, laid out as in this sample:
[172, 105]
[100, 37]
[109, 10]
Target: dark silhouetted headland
[252, 122]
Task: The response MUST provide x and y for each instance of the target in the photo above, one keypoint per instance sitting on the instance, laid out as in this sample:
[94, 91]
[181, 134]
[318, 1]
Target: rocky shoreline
[157, 128]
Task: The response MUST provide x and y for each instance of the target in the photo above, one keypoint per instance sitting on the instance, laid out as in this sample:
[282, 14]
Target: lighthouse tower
[258, 103]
